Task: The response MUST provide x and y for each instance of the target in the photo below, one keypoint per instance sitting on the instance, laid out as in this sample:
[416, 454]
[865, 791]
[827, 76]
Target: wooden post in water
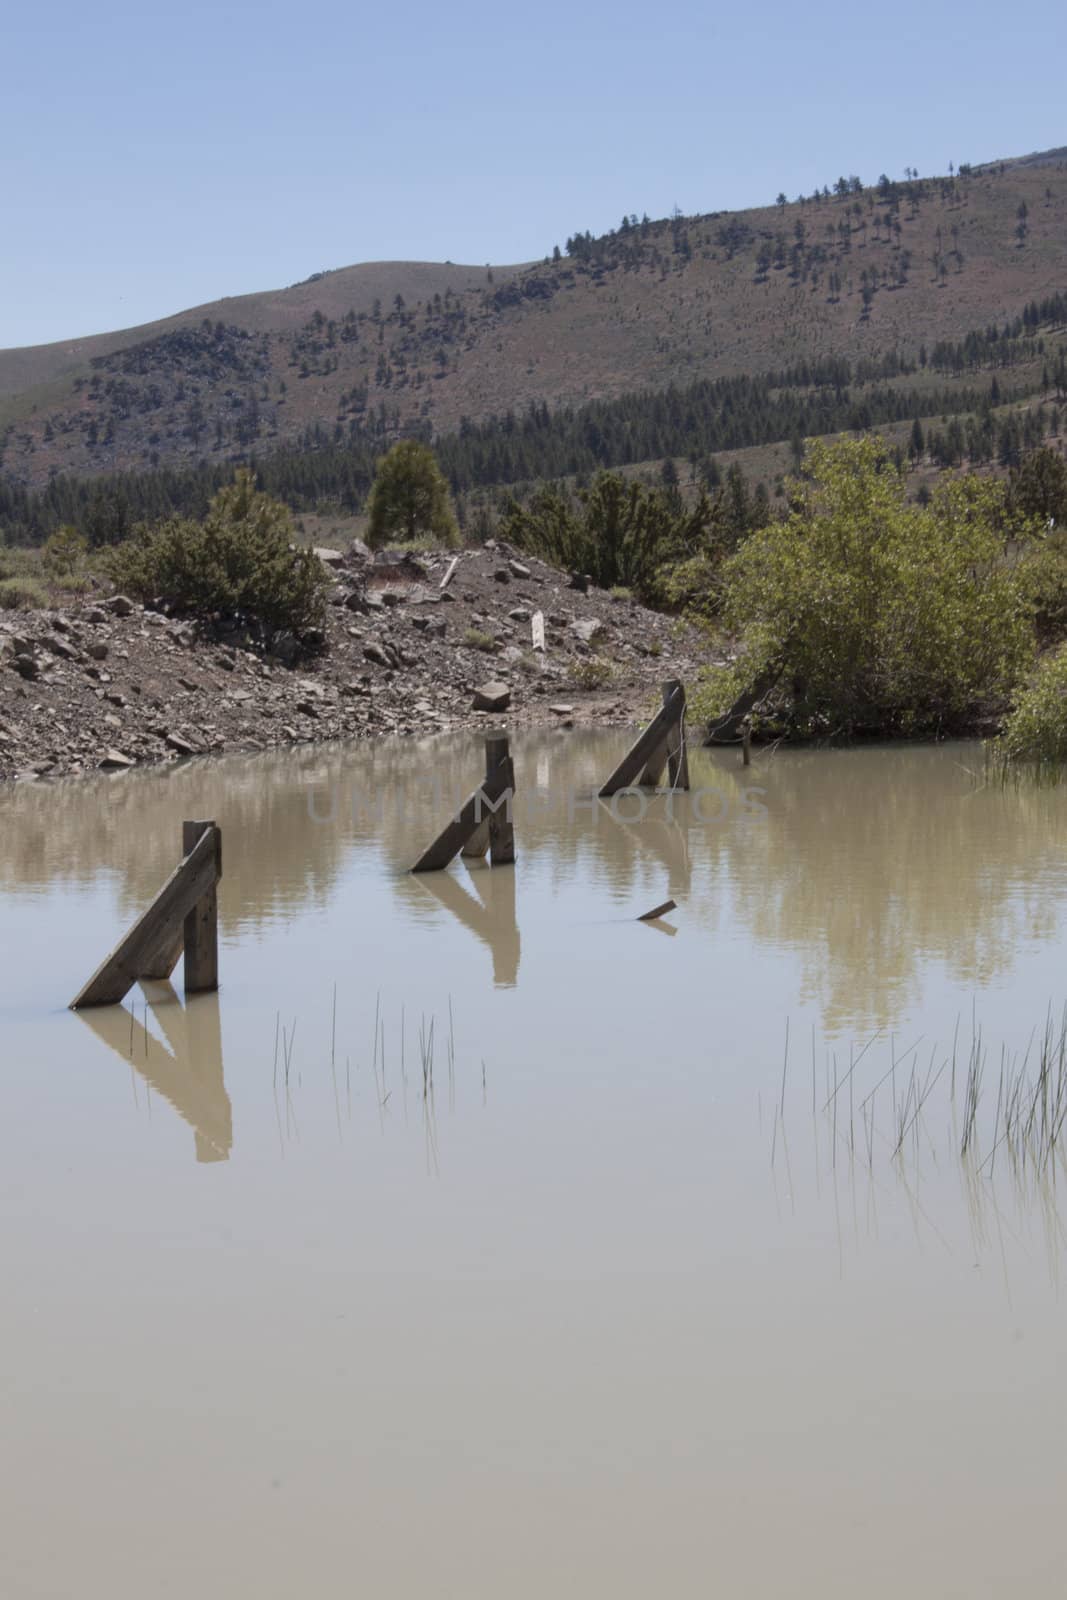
[485, 821]
[661, 745]
[184, 914]
[200, 931]
[746, 743]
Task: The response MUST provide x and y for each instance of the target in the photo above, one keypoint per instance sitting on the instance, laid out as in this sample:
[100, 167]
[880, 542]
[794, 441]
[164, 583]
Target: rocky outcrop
[112, 684]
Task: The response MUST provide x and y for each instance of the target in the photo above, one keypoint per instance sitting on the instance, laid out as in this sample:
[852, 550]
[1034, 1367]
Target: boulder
[359, 551]
[114, 760]
[27, 667]
[518, 570]
[588, 630]
[329, 558]
[182, 747]
[97, 650]
[60, 648]
[492, 696]
[120, 606]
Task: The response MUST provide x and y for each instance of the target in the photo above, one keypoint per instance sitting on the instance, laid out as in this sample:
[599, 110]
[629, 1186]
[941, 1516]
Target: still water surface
[481, 1241]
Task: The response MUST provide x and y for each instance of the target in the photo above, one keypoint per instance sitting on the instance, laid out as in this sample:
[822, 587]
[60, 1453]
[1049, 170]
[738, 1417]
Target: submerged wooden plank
[154, 930]
[658, 911]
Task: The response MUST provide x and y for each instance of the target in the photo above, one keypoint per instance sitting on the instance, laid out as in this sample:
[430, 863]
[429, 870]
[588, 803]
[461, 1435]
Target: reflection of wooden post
[746, 742]
[661, 744]
[201, 930]
[184, 912]
[189, 1073]
[485, 821]
[491, 917]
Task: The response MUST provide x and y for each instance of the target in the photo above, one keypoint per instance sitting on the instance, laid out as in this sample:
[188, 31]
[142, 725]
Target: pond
[479, 1239]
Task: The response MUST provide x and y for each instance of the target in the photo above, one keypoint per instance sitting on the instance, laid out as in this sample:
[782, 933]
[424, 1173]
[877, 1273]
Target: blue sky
[152, 159]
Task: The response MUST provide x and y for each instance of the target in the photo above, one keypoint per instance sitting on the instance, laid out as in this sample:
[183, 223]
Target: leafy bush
[618, 532]
[475, 639]
[238, 562]
[1035, 729]
[880, 616]
[22, 594]
[1043, 575]
[590, 672]
[64, 552]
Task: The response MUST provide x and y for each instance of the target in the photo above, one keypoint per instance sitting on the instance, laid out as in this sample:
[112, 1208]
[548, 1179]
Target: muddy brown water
[479, 1240]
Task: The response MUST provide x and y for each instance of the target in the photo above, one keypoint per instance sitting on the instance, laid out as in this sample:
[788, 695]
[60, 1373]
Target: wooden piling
[200, 932]
[662, 744]
[175, 919]
[485, 821]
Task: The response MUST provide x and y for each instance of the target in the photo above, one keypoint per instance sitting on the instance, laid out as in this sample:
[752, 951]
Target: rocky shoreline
[414, 644]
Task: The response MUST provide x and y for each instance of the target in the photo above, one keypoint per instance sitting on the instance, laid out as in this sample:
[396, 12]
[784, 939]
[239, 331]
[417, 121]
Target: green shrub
[22, 594]
[881, 616]
[1035, 730]
[590, 672]
[475, 639]
[238, 562]
[64, 552]
[620, 533]
[1043, 575]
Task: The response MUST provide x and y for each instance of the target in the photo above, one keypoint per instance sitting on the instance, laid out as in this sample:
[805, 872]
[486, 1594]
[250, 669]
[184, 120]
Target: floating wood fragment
[658, 911]
[183, 915]
[661, 744]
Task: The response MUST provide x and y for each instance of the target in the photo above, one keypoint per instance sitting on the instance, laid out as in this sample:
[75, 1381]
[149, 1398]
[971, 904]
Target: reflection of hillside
[273, 858]
[866, 862]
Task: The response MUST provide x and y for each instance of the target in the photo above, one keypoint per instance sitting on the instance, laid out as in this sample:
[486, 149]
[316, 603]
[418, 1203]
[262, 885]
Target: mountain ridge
[378, 349]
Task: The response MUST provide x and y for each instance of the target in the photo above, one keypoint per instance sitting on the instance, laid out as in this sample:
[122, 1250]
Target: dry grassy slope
[272, 311]
[572, 332]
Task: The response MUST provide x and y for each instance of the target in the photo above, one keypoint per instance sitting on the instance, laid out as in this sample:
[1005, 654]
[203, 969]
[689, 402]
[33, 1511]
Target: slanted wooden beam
[485, 821]
[662, 743]
[151, 942]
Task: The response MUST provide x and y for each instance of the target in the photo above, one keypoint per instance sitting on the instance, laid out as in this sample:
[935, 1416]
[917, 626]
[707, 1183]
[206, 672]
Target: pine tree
[409, 498]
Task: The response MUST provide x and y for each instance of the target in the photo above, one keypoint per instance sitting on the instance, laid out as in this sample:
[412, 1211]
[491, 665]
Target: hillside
[362, 353]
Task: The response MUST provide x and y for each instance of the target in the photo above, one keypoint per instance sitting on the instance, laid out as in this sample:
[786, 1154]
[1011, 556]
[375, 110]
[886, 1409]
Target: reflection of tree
[872, 860]
[186, 1070]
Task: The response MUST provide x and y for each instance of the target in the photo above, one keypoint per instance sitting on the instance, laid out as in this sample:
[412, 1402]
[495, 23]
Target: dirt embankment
[104, 682]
